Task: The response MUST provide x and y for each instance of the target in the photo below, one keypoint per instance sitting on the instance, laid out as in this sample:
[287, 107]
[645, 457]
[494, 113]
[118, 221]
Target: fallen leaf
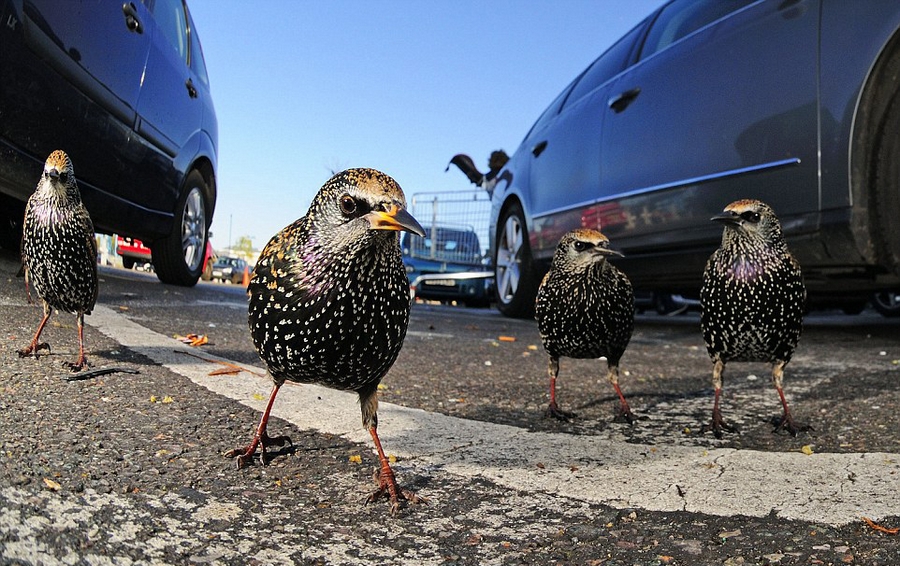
[259, 397]
[532, 347]
[153, 398]
[52, 485]
[356, 459]
[226, 371]
[873, 525]
[168, 399]
[506, 338]
[392, 459]
[807, 449]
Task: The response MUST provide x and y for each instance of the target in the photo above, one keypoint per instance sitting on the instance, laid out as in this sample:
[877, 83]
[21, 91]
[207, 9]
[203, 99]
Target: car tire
[515, 276]
[128, 262]
[887, 303]
[885, 204]
[178, 258]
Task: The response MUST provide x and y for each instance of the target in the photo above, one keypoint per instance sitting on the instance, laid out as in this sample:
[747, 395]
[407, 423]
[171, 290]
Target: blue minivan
[123, 89]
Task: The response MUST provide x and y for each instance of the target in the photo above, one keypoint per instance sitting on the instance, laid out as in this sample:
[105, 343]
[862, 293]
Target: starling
[752, 299]
[585, 309]
[59, 252]
[330, 302]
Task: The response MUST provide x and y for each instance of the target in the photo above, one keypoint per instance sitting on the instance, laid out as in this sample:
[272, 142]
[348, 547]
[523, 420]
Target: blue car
[123, 89]
[796, 103]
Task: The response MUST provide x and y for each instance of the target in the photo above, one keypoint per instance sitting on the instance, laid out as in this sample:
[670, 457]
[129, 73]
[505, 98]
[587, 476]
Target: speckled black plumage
[752, 299]
[585, 309]
[329, 297]
[59, 252]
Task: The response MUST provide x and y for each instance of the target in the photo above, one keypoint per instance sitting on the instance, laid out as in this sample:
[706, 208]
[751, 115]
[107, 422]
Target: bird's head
[358, 206]
[58, 178]
[579, 249]
[750, 220]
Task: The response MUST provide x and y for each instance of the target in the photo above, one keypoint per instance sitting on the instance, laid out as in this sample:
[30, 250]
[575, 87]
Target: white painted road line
[829, 488]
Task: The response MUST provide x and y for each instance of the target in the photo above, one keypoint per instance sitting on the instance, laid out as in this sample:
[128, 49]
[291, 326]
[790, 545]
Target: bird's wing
[90, 247]
[467, 166]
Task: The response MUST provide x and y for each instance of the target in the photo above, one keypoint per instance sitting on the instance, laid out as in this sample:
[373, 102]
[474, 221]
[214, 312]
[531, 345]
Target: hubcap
[193, 230]
[508, 264]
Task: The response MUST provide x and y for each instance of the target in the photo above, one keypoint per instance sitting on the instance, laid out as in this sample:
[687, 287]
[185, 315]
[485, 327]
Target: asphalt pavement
[127, 468]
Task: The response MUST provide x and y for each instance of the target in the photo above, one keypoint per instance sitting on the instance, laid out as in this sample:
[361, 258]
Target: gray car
[794, 102]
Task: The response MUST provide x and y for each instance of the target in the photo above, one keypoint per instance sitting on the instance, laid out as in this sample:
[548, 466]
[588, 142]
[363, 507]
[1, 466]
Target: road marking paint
[828, 488]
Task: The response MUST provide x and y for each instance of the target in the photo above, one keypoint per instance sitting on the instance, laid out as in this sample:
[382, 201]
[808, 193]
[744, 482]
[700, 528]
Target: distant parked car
[229, 269]
[796, 103]
[133, 251]
[123, 89]
[441, 256]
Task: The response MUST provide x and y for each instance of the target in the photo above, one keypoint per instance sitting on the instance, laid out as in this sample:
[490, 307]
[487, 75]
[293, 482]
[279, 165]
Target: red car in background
[133, 251]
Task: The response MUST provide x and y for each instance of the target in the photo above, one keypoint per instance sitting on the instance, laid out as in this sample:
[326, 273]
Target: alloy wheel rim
[508, 263]
[193, 229]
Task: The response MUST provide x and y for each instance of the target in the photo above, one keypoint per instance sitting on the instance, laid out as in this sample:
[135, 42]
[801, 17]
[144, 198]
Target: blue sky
[304, 88]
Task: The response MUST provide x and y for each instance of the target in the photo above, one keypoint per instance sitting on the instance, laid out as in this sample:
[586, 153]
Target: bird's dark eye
[63, 176]
[750, 216]
[581, 246]
[348, 205]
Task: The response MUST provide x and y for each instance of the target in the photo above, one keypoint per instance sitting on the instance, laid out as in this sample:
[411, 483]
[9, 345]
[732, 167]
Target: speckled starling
[330, 302]
[585, 309]
[59, 252]
[753, 300]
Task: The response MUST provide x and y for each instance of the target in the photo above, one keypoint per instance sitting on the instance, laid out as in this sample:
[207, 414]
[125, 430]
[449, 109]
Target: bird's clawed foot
[553, 411]
[33, 348]
[80, 364]
[244, 456]
[387, 487]
[625, 416]
[717, 425]
[786, 422]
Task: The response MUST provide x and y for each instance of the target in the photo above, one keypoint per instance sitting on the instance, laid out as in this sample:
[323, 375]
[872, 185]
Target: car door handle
[539, 148]
[131, 20]
[621, 101]
[192, 90]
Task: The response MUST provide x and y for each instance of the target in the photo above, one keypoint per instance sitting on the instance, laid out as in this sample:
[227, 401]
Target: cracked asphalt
[128, 469]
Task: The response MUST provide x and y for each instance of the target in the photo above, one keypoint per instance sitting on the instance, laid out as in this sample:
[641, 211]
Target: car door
[566, 152]
[722, 105]
[99, 48]
[170, 108]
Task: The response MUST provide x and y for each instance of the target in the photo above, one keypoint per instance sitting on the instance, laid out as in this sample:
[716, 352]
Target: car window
[605, 67]
[683, 17]
[551, 111]
[172, 22]
[197, 63]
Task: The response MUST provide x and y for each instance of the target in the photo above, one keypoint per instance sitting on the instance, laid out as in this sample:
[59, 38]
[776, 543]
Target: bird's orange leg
[553, 409]
[718, 424]
[82, 362]
[787, 421]
[625, 413]
[35, 346]
[387, 482]
[261, 438]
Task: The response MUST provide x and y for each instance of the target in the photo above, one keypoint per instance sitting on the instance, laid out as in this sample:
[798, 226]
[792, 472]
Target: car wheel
[128, 262]
[515, 277]
[887, 303]
[178, 258]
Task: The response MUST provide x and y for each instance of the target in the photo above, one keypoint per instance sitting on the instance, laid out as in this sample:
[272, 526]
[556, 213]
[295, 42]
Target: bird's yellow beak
[395, 218]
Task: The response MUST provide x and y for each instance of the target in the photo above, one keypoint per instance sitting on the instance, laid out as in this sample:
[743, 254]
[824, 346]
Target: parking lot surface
[128, 468]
